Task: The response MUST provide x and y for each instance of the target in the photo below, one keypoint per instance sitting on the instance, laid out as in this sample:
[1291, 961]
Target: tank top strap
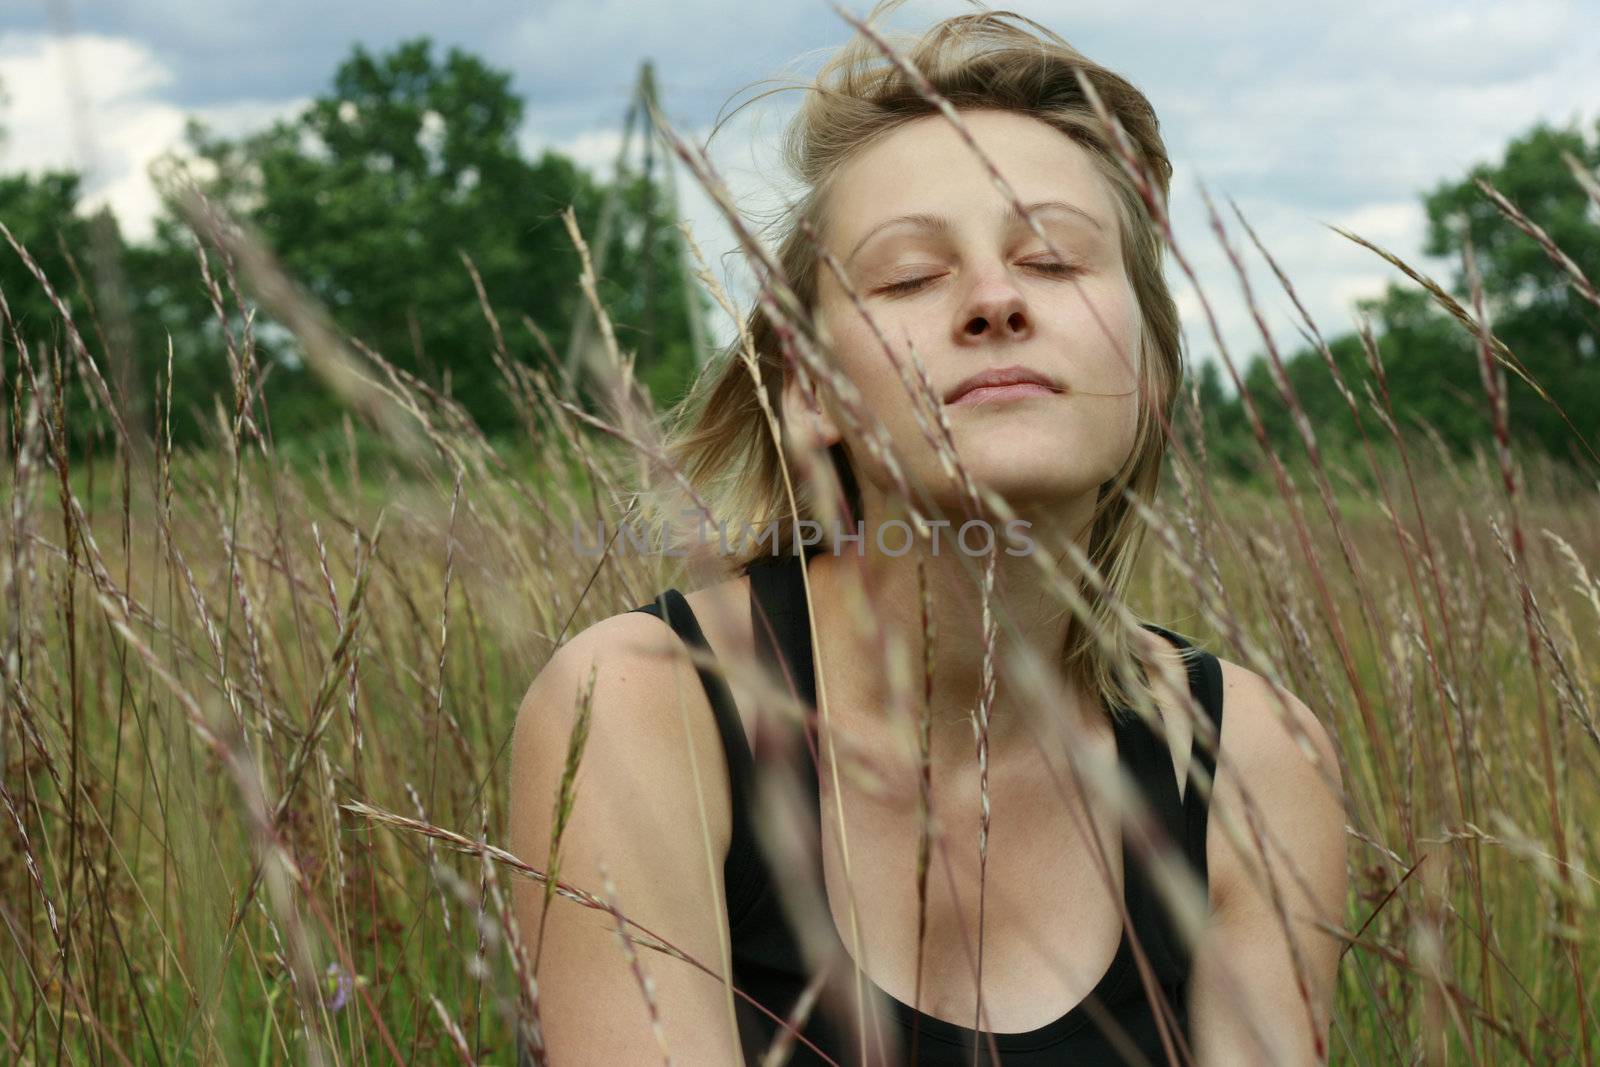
[741, 866]
[780, 625]
[1191, 812]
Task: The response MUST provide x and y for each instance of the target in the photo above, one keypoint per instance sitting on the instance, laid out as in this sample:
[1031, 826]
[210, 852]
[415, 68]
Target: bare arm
[637, 809]
[1244, 982]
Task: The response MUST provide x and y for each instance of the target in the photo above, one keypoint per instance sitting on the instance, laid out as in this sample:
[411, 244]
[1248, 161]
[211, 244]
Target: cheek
[1117, 306]
[1105, 329]
[858, 354]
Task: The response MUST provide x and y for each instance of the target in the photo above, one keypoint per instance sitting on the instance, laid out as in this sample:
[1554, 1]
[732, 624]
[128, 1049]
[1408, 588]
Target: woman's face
[938, 258]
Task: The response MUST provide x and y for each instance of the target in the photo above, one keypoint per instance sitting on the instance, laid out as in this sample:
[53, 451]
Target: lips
[996, 378]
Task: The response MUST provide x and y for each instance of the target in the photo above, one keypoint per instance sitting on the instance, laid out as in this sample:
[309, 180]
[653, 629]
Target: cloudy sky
[1344, 115]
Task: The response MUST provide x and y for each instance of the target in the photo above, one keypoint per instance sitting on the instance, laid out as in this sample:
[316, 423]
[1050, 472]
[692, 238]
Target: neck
[853, 674]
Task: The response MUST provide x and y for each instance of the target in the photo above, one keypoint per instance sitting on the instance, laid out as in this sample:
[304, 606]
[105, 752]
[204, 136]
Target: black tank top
[1114, 1024]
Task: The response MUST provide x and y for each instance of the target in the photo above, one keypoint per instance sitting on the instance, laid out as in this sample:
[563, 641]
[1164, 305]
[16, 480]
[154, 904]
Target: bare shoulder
[630, 656]
[1275, 857]
[629, 642]
[651, 731]
[1278, 758]
[1263, 724]
[650, 807]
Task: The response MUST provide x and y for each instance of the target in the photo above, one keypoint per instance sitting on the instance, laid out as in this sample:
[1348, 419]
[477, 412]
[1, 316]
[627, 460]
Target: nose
[995, 311]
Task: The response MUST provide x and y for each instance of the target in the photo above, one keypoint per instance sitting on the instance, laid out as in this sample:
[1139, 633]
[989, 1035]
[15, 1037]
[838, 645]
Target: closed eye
[1050, 268]
[1061, 269]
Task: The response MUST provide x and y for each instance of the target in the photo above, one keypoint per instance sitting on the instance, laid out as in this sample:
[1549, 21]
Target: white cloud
[97, 104]
[1395, 223]
[1459, 42]
[594, 150]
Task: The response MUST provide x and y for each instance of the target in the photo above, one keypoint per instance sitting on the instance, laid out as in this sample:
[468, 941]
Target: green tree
[1532, 306]
[1429, 359]
[1431, 365]
[370, 195]
[41, 212]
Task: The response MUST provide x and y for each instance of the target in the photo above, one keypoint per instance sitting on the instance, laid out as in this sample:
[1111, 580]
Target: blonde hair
[719, 439]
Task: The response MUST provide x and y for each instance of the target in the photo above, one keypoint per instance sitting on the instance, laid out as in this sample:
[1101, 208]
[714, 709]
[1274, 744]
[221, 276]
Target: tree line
[1429, 361]
[369, 197]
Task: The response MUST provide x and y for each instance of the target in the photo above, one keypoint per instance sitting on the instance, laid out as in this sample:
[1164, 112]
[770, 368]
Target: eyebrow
[940, 225]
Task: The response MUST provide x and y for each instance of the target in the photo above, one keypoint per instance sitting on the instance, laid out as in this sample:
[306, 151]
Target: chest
[1050, 897]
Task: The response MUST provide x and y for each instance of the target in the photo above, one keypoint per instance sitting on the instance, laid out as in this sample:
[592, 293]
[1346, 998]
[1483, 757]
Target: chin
[1043, 465]
[1034, 495]
[1030, 483]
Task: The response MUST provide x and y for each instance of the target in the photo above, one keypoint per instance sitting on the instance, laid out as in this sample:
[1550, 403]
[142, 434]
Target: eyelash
[911, 285]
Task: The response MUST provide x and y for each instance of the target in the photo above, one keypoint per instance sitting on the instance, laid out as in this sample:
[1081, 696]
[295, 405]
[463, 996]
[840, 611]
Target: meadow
[256, 706]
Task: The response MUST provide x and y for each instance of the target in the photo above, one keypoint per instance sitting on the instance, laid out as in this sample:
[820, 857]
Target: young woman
[1056, 371]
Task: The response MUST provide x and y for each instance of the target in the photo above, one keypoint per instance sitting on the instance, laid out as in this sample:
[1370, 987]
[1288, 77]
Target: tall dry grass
[255, 715]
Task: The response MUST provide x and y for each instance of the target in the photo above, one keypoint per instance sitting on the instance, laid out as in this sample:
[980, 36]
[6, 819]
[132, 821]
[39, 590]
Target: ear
[806, 417]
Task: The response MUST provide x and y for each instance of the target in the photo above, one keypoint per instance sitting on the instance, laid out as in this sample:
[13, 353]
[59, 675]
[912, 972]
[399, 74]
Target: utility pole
[642, 108]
